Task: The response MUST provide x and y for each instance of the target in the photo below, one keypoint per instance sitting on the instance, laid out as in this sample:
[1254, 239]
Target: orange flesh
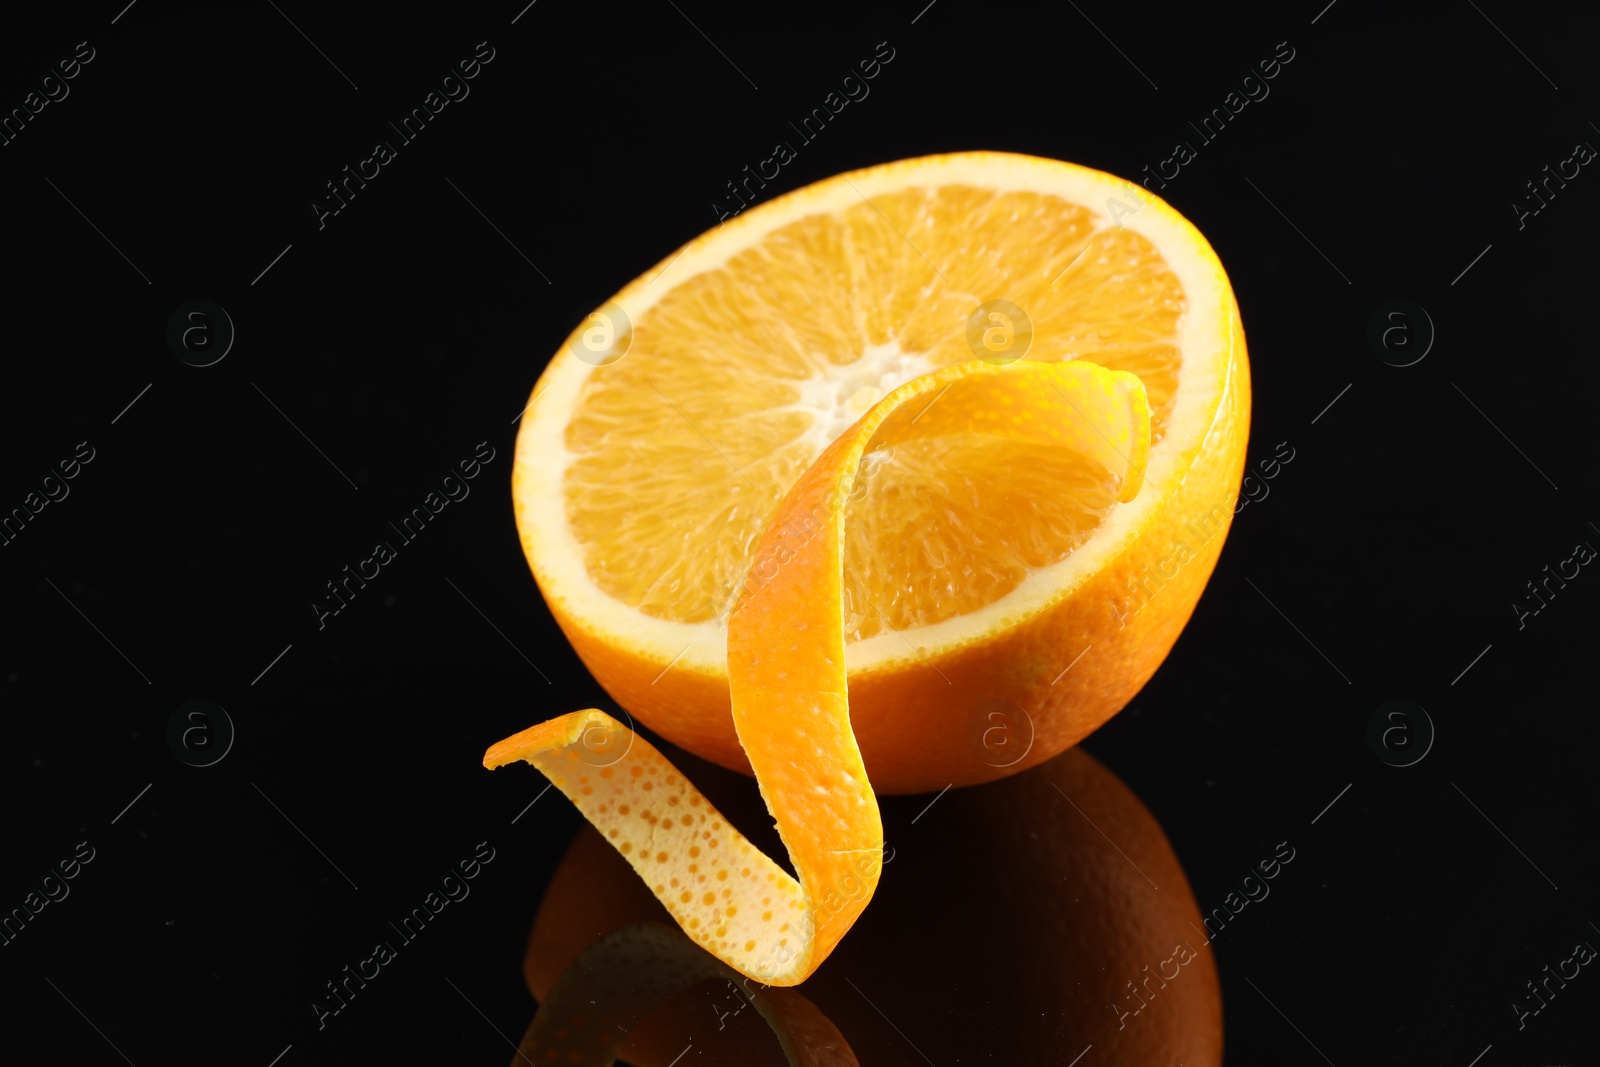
[739, 377]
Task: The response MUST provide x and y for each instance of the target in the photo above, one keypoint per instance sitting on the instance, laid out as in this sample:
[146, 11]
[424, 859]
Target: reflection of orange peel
[786, 671]
[619, 981]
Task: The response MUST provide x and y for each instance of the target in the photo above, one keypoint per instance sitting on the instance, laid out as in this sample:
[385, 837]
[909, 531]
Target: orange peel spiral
[790, 701]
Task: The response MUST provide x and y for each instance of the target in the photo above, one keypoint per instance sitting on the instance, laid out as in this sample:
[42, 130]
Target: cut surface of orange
[792, 523]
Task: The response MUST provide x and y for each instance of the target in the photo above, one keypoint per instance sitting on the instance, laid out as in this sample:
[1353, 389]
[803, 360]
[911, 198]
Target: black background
[411, 327]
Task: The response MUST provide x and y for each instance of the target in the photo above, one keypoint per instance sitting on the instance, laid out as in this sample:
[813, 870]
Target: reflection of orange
[1010, 923]
[633, 971]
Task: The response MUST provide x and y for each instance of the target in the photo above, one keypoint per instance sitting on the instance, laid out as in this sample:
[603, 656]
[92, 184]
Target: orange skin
[1007, 934]
[913, 723]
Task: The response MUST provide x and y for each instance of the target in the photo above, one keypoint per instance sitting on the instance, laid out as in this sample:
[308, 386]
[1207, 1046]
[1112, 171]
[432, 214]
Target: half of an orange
[911, 478]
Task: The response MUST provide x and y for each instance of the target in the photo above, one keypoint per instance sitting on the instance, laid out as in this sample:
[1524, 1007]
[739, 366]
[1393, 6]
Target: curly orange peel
[786, 668]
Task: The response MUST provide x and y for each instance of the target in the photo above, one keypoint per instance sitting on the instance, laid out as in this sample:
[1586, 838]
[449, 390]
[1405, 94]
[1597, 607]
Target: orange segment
[789, 684]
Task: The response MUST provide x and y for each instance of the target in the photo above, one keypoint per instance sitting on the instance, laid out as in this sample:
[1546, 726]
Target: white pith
[838, 396]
